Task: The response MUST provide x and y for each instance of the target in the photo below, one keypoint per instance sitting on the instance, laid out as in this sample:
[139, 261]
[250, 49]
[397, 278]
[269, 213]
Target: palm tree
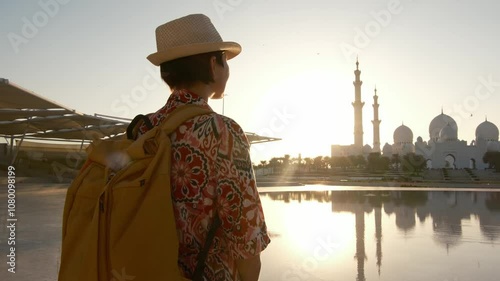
[275, 164]
[327, 162]
[286, 160]
[308, 161]
[318, 162]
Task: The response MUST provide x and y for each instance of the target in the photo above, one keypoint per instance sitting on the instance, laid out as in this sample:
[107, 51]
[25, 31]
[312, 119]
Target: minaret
[360, 243]
[376, 124]
[358, 110]
[378, 236]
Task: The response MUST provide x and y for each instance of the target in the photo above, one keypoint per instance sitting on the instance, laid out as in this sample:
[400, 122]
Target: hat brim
[232, 49]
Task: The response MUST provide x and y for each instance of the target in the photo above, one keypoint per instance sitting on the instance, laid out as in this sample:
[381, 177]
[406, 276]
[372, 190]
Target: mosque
[442, 150]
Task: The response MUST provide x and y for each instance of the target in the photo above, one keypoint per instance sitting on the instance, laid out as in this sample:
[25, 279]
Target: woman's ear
[213, 63]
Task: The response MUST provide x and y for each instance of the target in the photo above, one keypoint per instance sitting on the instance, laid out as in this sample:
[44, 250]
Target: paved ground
[39, 210]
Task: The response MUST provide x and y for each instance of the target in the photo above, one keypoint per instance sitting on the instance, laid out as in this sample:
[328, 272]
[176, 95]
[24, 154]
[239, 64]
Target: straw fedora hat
[187, 36]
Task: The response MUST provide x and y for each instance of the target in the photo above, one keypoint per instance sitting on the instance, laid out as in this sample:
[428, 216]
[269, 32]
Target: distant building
[358, 148]
[443, 150]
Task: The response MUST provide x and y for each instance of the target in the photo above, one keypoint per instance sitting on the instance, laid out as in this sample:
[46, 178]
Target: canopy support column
[14, 156]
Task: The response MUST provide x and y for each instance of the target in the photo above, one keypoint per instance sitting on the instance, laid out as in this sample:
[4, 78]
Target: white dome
[438, 123]
[447, 134]
[387, 149]
[367, 149]
[487, 131]
[403, 134]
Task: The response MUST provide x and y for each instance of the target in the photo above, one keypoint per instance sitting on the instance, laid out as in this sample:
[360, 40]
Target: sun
[309, 110]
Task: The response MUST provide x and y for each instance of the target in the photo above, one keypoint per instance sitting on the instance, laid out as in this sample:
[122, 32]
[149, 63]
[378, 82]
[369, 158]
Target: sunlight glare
[302, 231]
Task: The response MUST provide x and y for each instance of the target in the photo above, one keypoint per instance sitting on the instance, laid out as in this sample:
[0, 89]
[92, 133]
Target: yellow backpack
[118, 221]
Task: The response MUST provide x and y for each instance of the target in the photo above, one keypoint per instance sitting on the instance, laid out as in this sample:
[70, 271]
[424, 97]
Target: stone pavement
[39, 209]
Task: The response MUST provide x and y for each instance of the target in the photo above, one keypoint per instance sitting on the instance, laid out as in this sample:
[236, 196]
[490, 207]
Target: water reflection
[444, 210]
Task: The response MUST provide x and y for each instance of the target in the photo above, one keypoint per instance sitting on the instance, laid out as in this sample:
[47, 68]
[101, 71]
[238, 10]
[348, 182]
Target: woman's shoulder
[230, 127]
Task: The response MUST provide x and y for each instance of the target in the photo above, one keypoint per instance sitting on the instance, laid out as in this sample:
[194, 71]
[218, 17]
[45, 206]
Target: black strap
[202, 256]
[135, 122]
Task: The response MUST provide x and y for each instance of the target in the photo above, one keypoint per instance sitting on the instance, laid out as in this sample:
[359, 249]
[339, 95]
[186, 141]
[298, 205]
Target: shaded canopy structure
[26, 115]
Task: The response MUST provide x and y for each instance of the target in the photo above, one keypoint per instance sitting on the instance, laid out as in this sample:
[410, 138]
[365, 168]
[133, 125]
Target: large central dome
[447, 134]
[438, 123]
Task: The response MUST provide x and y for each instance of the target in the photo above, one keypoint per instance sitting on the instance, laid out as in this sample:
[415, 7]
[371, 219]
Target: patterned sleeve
[240, 209]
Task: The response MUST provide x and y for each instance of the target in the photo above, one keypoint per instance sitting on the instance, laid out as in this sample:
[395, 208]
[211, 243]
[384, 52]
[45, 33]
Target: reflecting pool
[323, 233]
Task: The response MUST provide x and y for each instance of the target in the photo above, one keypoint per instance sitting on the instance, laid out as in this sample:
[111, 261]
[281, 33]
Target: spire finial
[375, 89]
[357, 63]
[442, 110]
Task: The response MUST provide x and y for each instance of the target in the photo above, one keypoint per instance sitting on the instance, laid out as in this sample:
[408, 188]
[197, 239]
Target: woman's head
[208, 68]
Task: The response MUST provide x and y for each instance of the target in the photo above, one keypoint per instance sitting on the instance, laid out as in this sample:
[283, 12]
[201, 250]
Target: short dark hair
[188, 70]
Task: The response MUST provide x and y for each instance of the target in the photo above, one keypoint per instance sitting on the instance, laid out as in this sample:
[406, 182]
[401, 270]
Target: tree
[318, 163]
[327, 162]
[339, 161]
[395, 160]
[360, 161]
[413, 163]
[275, 164]
[308, 161]
[286, 160]
[376, 162]
[343, 162]
[493, 159]
[352, 160]
[384, 163]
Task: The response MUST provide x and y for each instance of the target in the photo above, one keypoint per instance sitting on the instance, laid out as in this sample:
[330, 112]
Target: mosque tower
[378, 236]
[360, 243]
[358, 110]
[376, 124]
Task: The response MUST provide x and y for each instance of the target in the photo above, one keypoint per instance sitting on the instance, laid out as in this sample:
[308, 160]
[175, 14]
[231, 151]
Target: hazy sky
[293, 79]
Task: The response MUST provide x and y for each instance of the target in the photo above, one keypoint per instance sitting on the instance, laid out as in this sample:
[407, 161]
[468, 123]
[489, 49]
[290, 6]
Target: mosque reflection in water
[446, 209]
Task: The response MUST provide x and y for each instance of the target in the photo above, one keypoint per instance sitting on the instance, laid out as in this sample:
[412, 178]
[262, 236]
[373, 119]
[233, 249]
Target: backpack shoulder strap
[202, 255]
[141, 147]
[172, 121]
[133, 127]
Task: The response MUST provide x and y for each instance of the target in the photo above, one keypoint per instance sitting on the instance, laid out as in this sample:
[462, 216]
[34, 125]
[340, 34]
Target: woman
[212, 173]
